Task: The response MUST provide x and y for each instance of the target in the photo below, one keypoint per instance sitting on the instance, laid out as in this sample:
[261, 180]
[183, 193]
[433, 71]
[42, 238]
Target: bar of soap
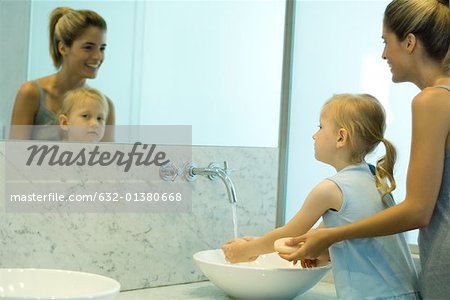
[281, 247]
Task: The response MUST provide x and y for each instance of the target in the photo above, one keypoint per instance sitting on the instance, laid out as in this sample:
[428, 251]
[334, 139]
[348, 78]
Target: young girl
[77, 45]
[350, 127]
[83, 115]
[417, 38]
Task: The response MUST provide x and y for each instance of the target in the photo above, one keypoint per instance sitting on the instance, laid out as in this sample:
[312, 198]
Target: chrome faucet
[213, 171]
[190, 172]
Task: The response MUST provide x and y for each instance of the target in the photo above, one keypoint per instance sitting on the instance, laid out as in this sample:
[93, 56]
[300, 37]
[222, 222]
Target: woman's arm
[324, 196]
[110, 122]
[430, 127]
[25, 108]
[321, 260]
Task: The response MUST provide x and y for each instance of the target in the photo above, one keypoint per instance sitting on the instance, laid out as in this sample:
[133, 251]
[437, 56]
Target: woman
[417, 37]
[77, 45]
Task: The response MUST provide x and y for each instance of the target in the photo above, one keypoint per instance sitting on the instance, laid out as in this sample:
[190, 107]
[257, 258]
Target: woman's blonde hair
[67, 24]
[428, 20]
[364, 118]
[80, 95]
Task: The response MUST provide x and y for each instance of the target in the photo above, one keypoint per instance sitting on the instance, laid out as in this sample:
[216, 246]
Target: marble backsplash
[143, 250]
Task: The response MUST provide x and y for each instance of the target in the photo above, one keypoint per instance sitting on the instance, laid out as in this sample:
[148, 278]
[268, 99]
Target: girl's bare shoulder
[327, 189]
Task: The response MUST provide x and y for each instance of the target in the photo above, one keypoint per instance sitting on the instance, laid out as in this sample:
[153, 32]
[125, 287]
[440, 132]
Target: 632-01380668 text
[98, 196]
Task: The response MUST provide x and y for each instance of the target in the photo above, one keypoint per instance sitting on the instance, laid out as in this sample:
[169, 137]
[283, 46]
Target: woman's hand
[238, 250]
[314, 243]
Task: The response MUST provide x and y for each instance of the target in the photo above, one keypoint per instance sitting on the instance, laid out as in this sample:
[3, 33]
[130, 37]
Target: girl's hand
[309, 263]
[322, 260]
[314, 263]
[238, 250]
[245, 238]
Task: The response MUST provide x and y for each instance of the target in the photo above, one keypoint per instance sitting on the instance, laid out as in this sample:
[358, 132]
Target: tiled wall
[147, 250]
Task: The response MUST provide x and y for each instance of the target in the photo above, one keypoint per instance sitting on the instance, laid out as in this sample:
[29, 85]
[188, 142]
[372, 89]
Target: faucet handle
[168, 172]
[227, 169]
[214, 166]
[186, 171]
[217, 166]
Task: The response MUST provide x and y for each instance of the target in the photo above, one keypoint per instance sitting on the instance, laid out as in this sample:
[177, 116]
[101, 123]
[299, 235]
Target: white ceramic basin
[42, 284]
[268, 277]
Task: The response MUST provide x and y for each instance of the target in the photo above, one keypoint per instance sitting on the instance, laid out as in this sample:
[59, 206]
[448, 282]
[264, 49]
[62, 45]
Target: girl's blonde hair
[67, 24]
[364, 118]
[80, 95]
[428, 20]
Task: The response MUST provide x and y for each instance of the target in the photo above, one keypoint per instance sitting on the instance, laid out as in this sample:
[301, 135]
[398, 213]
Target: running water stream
[235, 223]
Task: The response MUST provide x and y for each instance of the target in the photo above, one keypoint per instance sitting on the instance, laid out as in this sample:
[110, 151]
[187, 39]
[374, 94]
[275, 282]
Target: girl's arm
[430, 127]
[324, 196]
[25, 108]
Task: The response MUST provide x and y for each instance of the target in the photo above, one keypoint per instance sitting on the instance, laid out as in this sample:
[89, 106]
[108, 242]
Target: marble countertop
[206, 290]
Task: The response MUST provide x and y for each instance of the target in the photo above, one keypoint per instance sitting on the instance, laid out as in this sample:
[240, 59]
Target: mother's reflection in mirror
[77, 46]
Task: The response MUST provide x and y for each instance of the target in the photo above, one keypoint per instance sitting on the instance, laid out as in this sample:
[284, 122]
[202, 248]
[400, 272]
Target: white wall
[14, 24]
[337, 49]
[215, 65]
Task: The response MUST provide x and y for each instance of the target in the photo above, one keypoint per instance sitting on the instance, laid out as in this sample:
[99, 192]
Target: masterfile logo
[68, 177]
[41, 154]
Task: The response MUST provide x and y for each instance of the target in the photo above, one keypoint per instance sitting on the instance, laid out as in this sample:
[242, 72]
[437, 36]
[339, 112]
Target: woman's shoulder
[29, 91]
[34, 86]
[431, 108]
[33, 89]
[26, 104]
[433, 96]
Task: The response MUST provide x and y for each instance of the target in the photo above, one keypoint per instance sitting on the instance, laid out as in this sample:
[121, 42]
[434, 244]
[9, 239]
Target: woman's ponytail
[54, 37]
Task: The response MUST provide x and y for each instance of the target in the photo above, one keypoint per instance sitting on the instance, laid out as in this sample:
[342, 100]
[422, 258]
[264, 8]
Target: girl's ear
[410, 42]
[63, 122]
[342, 138]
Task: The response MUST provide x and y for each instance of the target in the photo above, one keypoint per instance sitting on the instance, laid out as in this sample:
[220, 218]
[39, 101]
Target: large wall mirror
[215, 65]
